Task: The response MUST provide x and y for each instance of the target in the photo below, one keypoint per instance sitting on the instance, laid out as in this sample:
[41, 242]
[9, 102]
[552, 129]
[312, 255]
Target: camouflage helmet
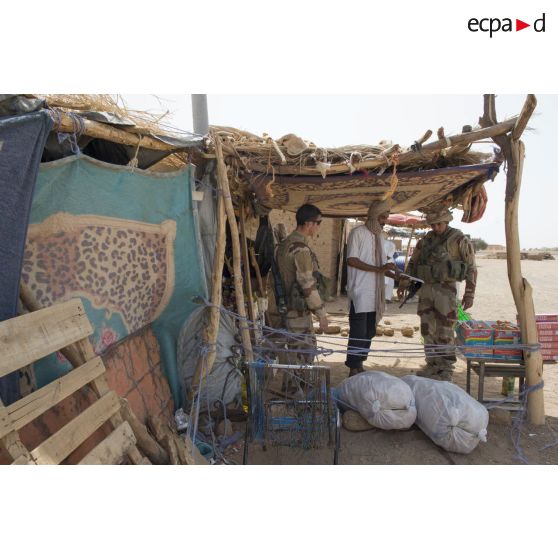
[439, 215]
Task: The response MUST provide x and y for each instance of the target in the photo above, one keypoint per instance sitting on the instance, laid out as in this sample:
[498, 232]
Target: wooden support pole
[237, 276]
[341, 254]
[404, 158]
[211, 331]
[262, 290]
[524, 116]
[246, 263]
[64, 123]
[514, 153]
[409, 245]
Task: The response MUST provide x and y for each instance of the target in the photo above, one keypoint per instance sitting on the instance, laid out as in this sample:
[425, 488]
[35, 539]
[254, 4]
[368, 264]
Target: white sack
[383, 400]
[448, 415]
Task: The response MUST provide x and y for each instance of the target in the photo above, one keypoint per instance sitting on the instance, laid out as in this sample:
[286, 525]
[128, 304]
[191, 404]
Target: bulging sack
[383, 400]
[448, 415]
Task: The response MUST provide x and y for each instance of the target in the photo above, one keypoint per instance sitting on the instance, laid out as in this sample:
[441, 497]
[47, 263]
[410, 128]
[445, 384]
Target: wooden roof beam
[65, 123]
[407, 157]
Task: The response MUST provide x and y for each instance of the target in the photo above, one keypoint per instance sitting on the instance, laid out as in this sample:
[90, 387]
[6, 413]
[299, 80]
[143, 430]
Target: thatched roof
[103, 127]
[287, 172]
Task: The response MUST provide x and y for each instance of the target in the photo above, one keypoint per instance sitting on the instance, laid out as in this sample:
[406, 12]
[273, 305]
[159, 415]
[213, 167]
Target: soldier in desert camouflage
[298, 267]
[444, 257]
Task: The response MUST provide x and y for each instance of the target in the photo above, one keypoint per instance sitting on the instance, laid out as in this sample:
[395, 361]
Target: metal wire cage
[291, 405]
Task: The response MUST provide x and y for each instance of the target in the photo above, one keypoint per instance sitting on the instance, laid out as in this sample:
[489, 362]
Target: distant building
[495, 248]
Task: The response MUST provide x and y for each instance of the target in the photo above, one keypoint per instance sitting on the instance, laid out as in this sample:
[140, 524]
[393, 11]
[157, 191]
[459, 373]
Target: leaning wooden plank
[145, 442]
[113, 448]
[5, 422]
[69, 437]
[14, 447]
[22, 412]
[100, 386]
[23, 460]
[32, 336]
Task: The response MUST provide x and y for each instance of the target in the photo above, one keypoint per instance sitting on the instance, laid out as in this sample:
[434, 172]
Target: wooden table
[490, 367]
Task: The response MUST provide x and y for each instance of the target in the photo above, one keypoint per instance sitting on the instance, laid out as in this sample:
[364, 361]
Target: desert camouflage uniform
[297, 266]
[437, 305]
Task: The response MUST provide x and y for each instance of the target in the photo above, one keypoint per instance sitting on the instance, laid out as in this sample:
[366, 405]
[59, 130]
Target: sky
[335, 120]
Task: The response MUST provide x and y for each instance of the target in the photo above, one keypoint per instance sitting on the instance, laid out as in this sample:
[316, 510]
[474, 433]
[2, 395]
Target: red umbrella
[405, 220]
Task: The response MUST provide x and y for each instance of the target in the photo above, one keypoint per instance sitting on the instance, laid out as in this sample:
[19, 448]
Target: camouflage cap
[439, 215]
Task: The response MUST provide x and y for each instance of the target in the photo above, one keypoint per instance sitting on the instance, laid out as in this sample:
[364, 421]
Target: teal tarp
[125, 241]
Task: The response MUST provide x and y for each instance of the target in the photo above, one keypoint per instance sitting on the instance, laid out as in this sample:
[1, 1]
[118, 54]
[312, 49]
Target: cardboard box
[549, 345]
[547, 326]
[508, 354]
[475, 332]
[546, 317]
[548, 338]
[506, 333]
[477, 351]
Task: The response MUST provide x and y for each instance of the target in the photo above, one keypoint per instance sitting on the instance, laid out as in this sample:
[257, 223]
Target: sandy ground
[493, 301]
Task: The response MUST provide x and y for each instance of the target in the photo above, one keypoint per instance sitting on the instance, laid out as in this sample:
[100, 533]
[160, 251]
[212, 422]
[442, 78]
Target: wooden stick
[145, 442]
[341, 254]
[259, 280]
[524, 116]
[246, 263]
[409, 245]
[111, 133]
[211, 330]
[404, 158]
[229, 265]
[239, 294]
[261, 288]
[514, 153]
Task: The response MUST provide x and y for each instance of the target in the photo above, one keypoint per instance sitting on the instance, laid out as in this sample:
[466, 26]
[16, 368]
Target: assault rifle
[413, 289]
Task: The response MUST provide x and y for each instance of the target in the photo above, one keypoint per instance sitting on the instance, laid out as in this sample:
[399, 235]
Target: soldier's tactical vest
[439, 259]
[295, 297]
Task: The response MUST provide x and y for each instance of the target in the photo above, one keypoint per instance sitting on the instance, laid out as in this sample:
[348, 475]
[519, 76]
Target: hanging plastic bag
[383, 400]
[448, 415]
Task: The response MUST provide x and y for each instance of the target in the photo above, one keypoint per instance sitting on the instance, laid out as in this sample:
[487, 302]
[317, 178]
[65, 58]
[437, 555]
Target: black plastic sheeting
[60, 145]
[11, 105]
[22, 139]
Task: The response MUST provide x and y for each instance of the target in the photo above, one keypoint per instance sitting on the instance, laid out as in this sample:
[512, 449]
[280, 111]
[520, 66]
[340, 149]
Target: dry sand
[493, 301]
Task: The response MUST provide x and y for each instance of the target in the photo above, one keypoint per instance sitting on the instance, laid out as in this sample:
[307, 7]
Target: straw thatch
[144, 121]
[293, 155]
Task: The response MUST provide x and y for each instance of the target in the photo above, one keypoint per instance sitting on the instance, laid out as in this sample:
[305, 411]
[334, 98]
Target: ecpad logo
[494, 24]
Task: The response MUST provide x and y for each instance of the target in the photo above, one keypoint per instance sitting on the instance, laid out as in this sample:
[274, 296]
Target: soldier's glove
[467, 302]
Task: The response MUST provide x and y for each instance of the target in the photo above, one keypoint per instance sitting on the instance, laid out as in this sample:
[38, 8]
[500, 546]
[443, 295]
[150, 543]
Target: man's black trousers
[362, 328]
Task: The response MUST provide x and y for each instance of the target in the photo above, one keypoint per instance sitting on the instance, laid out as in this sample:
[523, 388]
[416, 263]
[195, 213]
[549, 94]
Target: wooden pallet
[30, 337]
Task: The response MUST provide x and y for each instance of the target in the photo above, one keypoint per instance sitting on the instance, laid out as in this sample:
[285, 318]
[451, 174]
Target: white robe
[361, 285]
[389, 248]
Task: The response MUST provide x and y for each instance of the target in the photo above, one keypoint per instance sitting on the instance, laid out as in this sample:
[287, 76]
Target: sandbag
[383, 400]
[448, 415]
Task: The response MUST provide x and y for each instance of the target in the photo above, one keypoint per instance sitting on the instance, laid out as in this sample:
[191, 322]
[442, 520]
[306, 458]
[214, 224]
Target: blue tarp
[22, 139]
[125, 241]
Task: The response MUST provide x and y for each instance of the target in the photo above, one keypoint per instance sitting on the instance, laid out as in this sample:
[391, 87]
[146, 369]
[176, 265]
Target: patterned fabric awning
[350, 195]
